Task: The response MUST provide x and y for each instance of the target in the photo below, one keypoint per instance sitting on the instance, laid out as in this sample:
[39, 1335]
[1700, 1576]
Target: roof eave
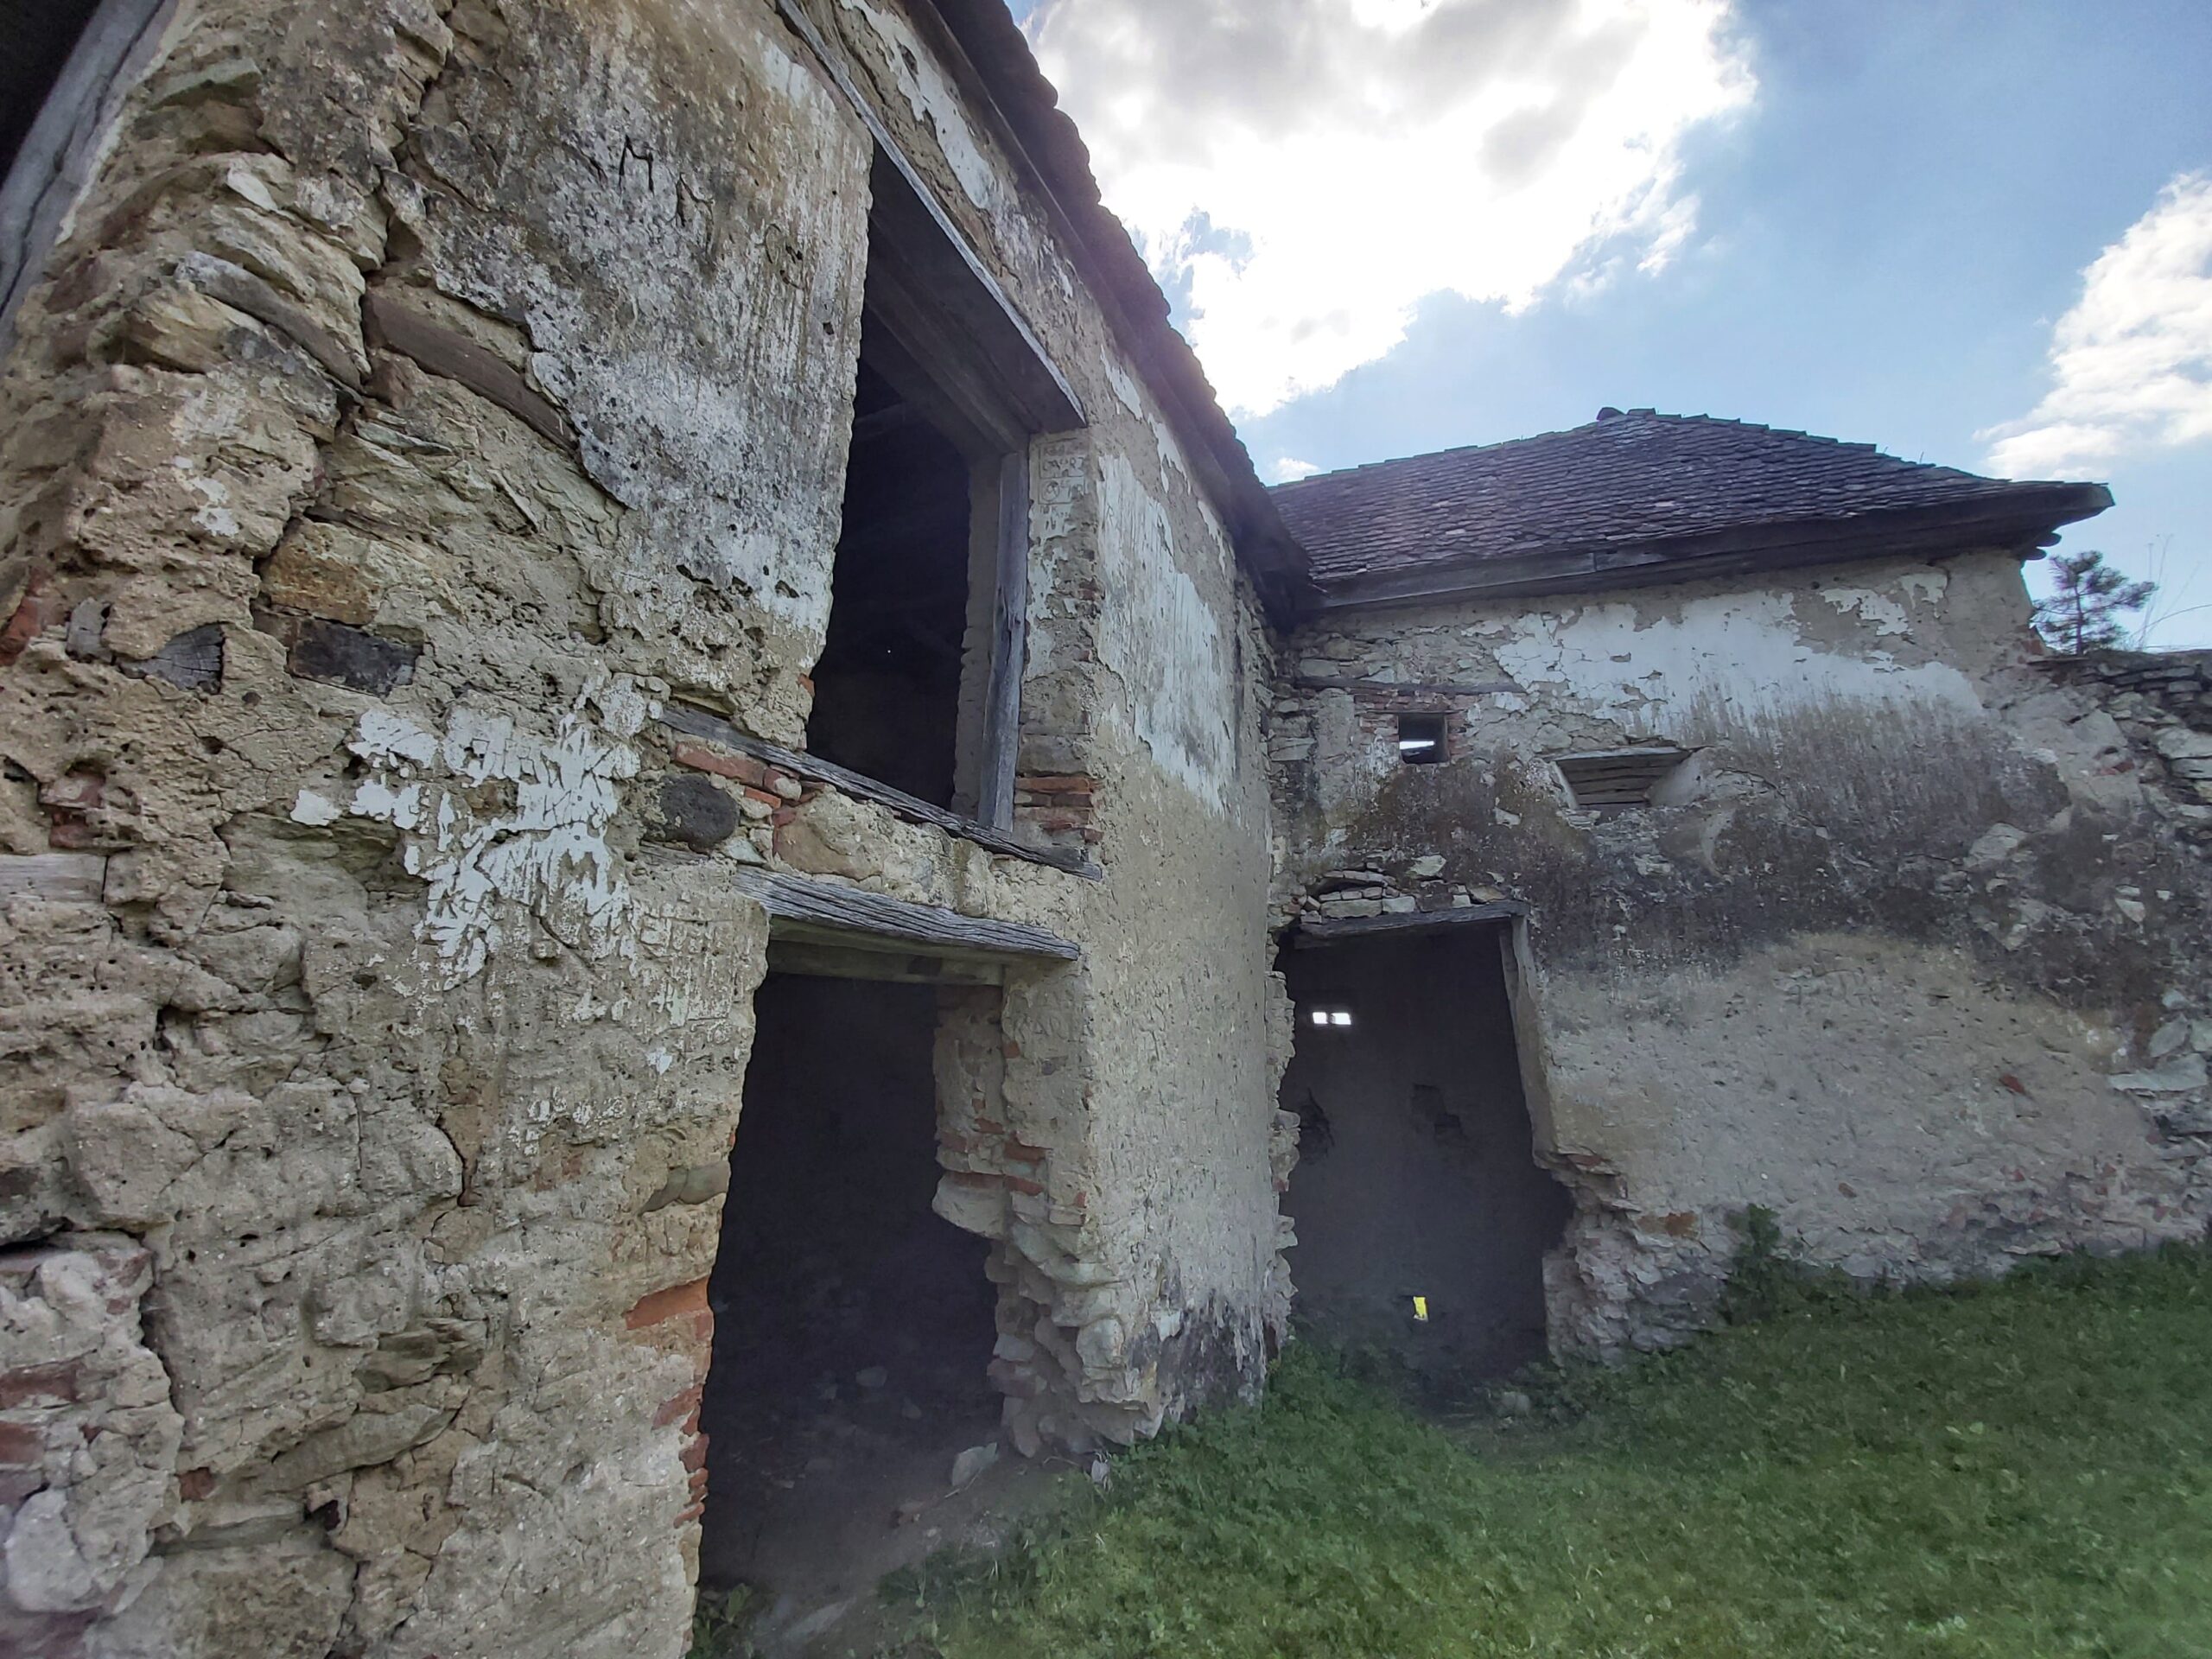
[990, 55]
[2021, 521]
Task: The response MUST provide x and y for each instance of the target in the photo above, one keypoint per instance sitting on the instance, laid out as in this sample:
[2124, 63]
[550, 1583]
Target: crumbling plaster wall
[1155, 1244]
[1911, 949]
[423, 398]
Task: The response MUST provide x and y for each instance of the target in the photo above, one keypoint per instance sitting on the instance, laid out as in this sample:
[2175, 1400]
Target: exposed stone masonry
[2162, 701]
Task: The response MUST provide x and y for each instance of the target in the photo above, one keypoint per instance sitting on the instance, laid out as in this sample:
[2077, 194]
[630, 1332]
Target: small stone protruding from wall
[88, 1438]
[762, 798]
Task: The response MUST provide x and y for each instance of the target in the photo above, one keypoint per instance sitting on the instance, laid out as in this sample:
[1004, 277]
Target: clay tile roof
[1632, 478]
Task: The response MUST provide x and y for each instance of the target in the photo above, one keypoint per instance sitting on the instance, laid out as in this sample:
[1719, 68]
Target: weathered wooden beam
[64, 877]
[1040, 391]
[829, 913]
[1655, 753]
[1009, 646]
[916, 343]
[978, 43]
[441, 350]
[698, 723]
[242, 290]
[1335, 930]
[1405, 688]
[812, 961]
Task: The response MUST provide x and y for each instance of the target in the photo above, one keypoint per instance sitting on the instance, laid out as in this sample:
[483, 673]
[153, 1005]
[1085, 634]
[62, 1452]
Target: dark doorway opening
[887, 687]
[854, 1327]
[1422, 1215]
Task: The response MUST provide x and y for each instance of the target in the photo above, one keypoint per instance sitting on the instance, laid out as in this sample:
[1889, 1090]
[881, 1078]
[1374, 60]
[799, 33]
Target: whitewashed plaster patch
[1884, 612]
[1158, 633]
[316, 809]
[933, 101]
[546, 851]
[1740, 654]
[1132, 398]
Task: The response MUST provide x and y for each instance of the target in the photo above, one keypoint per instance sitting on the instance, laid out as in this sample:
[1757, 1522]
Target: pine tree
[2088, 601]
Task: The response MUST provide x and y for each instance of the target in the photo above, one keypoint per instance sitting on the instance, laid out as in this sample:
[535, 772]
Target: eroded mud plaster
[1910, 948]
[424, 399]
[425, 405]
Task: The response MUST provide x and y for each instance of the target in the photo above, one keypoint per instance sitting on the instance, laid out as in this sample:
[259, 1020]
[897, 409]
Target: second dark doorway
[1416, 1174]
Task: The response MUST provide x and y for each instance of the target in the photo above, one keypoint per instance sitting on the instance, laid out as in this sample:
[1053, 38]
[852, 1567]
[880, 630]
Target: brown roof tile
[1632, 478]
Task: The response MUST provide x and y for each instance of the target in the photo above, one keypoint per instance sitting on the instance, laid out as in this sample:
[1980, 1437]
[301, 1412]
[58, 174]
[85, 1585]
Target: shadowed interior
[886, 686]
[854, 1327]
[34, 46]
[1416, 1175]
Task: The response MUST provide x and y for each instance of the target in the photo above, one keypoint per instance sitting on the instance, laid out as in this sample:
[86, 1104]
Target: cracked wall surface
[422, 401]
[1909, 949]
[432, 419]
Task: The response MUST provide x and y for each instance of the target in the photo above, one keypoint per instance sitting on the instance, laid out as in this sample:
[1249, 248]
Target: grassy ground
[1990, 1473]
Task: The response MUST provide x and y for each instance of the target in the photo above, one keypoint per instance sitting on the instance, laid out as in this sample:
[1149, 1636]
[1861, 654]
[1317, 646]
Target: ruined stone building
[569, 566]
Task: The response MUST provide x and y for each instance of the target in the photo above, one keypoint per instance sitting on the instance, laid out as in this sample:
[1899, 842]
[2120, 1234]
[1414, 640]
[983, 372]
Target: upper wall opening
[918, 684]
[888, 687]
[62, 66]
[1611, 779]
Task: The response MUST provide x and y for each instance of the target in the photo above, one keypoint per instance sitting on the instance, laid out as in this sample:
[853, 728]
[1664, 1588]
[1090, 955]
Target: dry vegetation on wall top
[1990, 1472]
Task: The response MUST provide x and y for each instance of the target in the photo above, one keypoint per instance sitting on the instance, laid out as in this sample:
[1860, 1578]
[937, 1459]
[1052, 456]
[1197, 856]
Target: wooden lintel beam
[1038, 366]
[792, 954]
[1335, 930]
[698, 723]
[1404, 688]
[1010, 644]
[829, 913]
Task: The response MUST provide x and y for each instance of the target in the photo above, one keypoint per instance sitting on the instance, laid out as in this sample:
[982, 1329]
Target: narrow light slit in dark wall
[1422, 740]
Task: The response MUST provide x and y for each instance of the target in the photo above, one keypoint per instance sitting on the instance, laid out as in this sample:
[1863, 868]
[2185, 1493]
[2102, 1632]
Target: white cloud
[2132, 363]
[1313, 168]
[1288, 469]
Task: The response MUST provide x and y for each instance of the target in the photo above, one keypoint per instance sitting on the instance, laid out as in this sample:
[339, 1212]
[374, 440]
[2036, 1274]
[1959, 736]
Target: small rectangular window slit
[1611, 778]
[1420, 740]
[1336, 1019]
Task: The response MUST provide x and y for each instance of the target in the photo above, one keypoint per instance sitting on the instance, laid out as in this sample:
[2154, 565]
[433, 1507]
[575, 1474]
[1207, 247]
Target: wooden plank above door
[1327, 930]
[829, 913]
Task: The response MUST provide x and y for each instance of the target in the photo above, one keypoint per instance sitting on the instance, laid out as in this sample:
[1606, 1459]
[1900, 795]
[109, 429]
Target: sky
[1972, 231]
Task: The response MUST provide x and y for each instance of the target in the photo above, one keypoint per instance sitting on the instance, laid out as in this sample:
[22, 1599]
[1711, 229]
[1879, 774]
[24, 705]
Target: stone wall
[2162, 701]
[424, 398]
[1910, 948]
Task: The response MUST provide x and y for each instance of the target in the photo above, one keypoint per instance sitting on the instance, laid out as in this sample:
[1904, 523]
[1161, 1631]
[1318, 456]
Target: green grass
[1988, 1474]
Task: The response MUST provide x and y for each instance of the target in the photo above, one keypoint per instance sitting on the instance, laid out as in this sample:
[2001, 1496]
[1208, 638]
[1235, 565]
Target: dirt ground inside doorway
[852, 1426]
